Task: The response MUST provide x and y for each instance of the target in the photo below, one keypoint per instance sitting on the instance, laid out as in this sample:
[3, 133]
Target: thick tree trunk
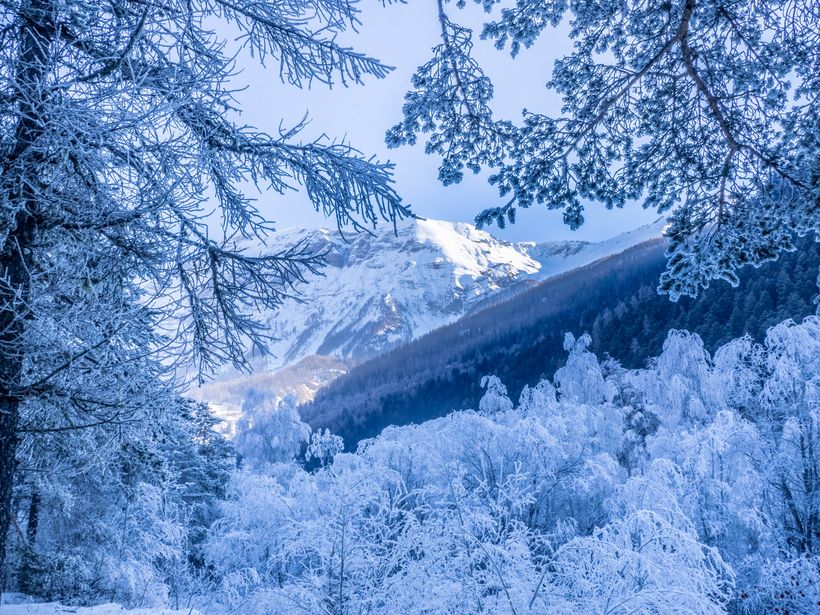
[20, 174]
[14, 287]
[28, 575]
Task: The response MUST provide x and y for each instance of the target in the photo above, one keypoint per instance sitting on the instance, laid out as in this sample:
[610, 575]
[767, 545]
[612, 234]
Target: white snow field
[54, 608]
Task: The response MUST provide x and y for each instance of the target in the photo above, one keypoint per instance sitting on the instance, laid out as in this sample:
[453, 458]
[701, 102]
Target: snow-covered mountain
[556, 257]
[381, 290]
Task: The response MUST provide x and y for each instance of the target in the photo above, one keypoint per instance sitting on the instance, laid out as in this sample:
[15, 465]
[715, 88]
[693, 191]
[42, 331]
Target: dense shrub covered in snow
[690, 486]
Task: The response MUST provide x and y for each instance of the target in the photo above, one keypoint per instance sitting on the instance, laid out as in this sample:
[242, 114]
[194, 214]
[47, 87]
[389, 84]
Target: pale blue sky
[402, 35]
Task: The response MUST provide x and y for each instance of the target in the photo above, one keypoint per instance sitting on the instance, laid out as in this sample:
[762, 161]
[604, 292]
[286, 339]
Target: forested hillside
[613, 300]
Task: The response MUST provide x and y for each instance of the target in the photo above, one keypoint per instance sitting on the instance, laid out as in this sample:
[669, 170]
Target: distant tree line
[520, 340]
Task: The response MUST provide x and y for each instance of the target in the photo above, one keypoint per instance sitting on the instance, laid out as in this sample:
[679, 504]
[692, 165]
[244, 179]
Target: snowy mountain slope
[301, 381]
[556, 257]
[382, 290]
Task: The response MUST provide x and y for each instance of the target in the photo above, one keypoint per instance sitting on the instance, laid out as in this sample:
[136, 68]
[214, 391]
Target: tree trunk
[33, 518]
[14, 290]
[8, 446]
[27, 576]
[20, 180]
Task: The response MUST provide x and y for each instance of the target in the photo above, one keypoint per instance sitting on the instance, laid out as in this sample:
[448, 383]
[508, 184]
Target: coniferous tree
[115, 126]
[707, 109]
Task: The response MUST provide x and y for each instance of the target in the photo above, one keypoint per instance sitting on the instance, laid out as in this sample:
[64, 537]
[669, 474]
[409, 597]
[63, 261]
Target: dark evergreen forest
[521, 339]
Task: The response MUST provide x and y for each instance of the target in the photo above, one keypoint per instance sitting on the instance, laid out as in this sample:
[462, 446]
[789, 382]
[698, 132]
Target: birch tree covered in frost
[706, 109]
[114, 128]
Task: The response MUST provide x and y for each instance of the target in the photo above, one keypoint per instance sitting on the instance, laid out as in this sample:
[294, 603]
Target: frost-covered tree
[581, 380]
[495, 398]
[706, 109]
[648, 559]
[323, 447]
[266, 434]
[533, 508]
[116, 129]
[790, 407]
[118, 510]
